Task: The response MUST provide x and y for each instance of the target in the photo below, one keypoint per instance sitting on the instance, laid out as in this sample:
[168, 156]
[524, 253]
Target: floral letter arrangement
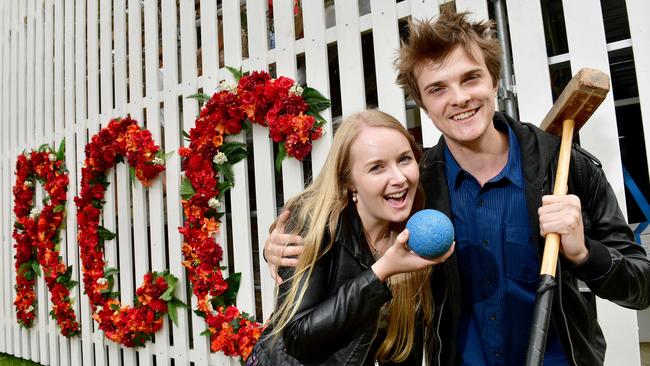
[130, 326]
[292, 115]
[38, 235]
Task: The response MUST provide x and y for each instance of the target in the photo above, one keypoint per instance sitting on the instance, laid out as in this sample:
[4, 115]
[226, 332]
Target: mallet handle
[552, 243]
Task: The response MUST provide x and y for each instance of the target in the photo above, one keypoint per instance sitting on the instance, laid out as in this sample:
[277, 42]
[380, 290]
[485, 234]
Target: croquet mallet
[580, 98]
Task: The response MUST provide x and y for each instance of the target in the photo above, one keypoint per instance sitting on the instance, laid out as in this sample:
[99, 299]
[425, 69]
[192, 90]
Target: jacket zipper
[442, 306]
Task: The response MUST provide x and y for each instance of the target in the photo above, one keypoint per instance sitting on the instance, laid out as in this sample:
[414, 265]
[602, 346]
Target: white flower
[220, 158]
[102, 281]
[52, 157]
[208, 302]
[158, 161]
[28, 156]
[296, 89]
[214, 203]
[29, 183]
[99, 309]
[34, 213]
[224, 85]
[29, 309]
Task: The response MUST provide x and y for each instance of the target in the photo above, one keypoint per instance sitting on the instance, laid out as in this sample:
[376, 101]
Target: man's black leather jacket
[617, 269]
[338, 318]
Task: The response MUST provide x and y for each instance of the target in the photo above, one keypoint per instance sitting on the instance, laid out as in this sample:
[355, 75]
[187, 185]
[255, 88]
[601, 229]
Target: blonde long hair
[318, 209]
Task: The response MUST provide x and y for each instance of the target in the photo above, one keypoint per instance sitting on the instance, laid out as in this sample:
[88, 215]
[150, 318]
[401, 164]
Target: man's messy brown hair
[433, 40]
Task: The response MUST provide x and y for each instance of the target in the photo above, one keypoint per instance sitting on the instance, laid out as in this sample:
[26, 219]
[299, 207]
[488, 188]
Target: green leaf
[43, 148]
[212, 213]
[282, 154]
[167, 155]
[186, 135]
[227, 174]
[71, 284]
[171, 311]
[315, 99]
[104, 233]
[171, 285]
[179, 303]
[24, 267]
[200, 97]
[236, 73]
[132, 175]
[320, 121]
[230, 296]
[235, 324]
[58, 208]
[230, 146]
[206, 333]
[234, 151]
[35, 267]
[110, 271]
[68, 271]
[186, 190]
[199, 313]
[224, 186]
[167, 295]
[60, 155]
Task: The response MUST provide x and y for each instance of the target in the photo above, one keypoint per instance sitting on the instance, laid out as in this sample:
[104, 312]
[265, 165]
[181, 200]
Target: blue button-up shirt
[498, 262]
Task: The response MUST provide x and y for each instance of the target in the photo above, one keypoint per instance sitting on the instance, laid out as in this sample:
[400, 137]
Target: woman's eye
[406, 159]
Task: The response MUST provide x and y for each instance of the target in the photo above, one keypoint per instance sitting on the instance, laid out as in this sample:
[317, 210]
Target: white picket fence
[67, 67]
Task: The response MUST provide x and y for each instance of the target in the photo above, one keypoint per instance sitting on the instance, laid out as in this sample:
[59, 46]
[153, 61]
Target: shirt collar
[512, 170]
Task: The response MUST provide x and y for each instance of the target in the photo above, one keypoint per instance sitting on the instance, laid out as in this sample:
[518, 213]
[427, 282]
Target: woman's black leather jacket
[338, 319]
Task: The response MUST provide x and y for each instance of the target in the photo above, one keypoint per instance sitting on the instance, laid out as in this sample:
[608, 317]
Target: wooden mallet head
[578, 101]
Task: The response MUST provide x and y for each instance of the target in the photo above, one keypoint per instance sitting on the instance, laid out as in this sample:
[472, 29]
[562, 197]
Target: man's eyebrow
[473, 71]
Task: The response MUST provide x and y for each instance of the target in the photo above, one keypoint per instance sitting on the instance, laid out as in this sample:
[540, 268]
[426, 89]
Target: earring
[354, 197]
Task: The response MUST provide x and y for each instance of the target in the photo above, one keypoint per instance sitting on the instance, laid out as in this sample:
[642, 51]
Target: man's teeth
[396, 195]
[464, 115]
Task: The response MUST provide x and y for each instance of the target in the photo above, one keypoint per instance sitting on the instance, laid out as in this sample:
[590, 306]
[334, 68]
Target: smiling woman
[357, 295]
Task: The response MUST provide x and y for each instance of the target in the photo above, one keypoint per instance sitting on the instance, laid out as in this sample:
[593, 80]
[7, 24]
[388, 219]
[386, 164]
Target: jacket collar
[349, 235]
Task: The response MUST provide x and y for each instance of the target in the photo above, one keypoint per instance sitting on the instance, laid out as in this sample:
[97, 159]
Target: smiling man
[491, 174]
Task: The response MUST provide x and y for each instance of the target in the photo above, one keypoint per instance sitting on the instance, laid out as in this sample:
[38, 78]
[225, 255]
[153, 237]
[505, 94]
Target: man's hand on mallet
[563, 215]
[280, 249]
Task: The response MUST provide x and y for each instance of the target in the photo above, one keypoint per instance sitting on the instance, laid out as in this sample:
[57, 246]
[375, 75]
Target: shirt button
[484, 243]
[493, 317]
[497, 354]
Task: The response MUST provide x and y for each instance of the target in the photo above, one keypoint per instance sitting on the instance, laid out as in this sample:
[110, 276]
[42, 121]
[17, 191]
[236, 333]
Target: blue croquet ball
[431, 233]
